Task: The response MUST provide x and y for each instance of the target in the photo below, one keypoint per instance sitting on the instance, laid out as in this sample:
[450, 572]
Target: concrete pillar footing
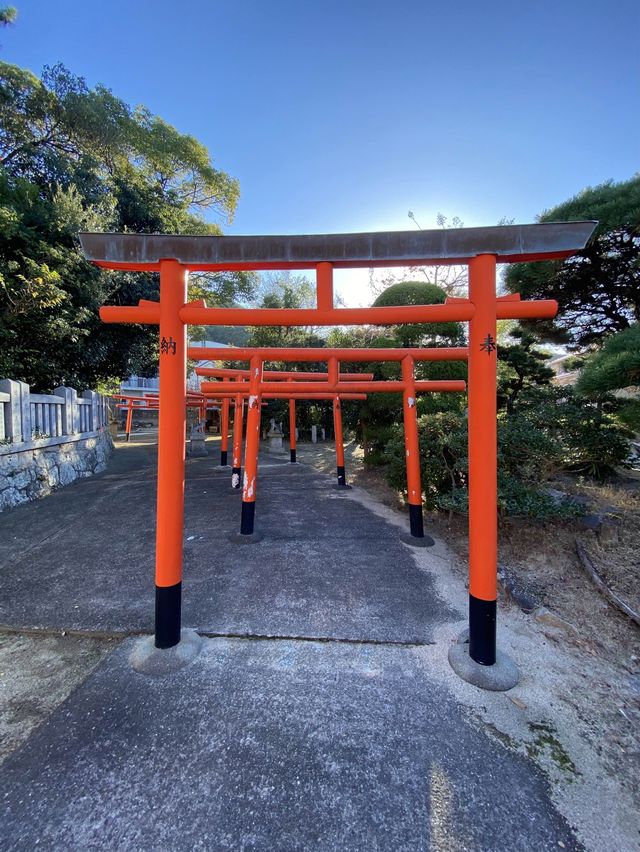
[156, 662]
[500, 677]
[342, 487]
[251, 538]
[414, 541]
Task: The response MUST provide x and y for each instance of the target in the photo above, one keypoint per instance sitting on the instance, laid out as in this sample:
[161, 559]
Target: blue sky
[340, 116]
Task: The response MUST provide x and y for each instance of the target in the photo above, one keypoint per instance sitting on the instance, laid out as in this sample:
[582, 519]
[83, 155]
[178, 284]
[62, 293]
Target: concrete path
[259, 744]
[327, 567]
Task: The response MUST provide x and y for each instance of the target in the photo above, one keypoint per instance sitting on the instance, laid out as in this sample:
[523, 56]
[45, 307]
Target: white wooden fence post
[25, 411]
[93, 396]
[13, 421]
[68, 394]
[75, 409]
[18, 420]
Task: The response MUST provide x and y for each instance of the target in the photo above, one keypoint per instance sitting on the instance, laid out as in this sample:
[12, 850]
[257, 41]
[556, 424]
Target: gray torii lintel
[509, 243]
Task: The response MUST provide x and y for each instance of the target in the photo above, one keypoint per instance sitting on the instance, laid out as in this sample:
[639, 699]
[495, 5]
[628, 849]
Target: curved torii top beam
[509, 244]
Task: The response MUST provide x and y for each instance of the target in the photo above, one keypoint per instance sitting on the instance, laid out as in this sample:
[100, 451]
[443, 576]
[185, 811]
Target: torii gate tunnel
[479, 248]
[151, 402]
[285, 388]
[337, 383]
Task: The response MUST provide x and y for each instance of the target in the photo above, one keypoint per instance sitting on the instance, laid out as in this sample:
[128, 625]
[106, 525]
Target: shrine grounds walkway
[312, 719]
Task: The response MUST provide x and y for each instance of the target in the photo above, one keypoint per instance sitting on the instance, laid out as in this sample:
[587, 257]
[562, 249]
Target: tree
[615, 366]
[420, 334]
[597, 290]
[521, 367]
[8, 15]
[74, 158]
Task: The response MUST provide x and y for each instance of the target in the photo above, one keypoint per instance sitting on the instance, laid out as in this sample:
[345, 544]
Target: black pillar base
[247, 534]
[416, 537]
[168, 617]
[293, 456]
[416, 524]
[247, 517]
[223, 458]
[342, 477]
[482, 631]
[236, 471]
[128, 436]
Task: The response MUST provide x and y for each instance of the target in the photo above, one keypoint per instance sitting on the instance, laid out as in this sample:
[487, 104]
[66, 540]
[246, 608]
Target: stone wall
[30, 473]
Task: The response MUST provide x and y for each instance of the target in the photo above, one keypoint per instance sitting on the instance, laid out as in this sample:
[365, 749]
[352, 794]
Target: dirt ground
[542, 555]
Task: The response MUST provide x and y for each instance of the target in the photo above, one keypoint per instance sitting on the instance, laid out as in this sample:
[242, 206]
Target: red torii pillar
[172, 423]
[250, 478]
[224, 432]
[292, 430]
[412, 455]
[339, 442]
[129, 420]
[236, 461]
[483, 461]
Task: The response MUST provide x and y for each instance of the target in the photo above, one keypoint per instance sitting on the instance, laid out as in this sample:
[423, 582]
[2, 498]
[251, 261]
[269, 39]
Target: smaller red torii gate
[289, 377]
[331, 383]
[151, 402]
[240, 397]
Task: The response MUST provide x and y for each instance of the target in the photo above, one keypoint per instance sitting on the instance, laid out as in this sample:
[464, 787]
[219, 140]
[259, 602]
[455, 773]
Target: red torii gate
[479, 248]
[150, 401]
[241, 395]
[408, 385]
[290, 377]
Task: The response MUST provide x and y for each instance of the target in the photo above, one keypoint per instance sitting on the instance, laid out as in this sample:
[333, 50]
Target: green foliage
[520, 367]
[550, 431]
[232, 335]
[285, 291]
[589, 435]
[615, 366]
[613, 205]
[594, 443]
[443, 455]
[55, 131]
[420, 334]
[108, 387]
[597, 290]
[74, 158]
[628, 414]
[8, 15]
